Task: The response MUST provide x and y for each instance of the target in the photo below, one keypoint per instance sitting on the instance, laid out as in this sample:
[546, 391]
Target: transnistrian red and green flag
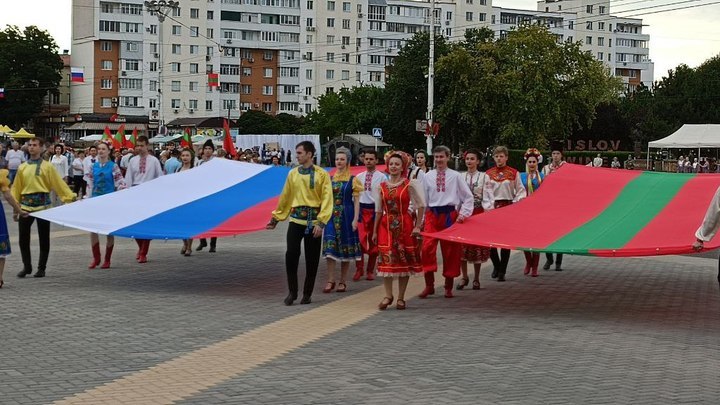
[130, 142]
[186, 141]
[106, 134]
[228, 143]
[213, 80]
[600, 212]
[119, 139]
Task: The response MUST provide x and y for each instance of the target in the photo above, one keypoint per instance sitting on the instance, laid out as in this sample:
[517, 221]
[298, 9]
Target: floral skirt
[4, 236]
[340, 242]
[399, 250]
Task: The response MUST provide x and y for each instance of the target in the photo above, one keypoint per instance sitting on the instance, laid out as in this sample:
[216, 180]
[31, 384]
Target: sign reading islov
[377, 132]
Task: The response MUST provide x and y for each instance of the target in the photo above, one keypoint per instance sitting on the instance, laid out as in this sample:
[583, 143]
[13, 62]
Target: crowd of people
[344, 218]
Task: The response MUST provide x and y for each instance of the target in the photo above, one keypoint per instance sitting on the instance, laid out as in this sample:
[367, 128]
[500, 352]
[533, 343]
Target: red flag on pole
[186, 141]
[228, 143]
[213, 80]
[106, 134]
[119, 139]
[130, 143]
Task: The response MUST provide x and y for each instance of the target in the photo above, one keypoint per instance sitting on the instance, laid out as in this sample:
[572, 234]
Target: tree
[30, 67]
[257, 122]
[354, 110]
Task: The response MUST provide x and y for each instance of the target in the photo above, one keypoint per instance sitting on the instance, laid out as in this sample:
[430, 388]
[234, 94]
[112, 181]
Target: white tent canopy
[691, 136]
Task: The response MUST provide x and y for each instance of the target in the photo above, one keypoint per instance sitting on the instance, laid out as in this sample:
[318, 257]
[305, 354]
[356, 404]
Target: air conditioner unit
[360, 15]
[154, 114]
[176, 111]
[447, 22]
[310, 28]
[251, 60]
[123, 73]
[148, 29]
[342, 47]
[191, 111]
[304, 57]
[156, 55]
[304, 97]
[114, 100]
[229, 41]
[256, 105]
[208, 58]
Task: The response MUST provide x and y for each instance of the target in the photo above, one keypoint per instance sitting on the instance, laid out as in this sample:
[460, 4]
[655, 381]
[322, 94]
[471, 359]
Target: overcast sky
[684, 36]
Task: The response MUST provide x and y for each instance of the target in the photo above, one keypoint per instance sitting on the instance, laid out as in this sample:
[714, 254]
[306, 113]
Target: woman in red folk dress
[396, 232]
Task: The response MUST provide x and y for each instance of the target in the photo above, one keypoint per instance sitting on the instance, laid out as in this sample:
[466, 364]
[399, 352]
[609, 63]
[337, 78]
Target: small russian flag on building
[77, 75]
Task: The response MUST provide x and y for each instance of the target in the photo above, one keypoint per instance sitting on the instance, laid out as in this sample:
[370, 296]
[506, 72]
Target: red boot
[448, 287]
[528, 263]
[535, 264]
[96, 256]
[143, 251]
[359, 270]
[372, 259]
[429, 285]
[108, 256]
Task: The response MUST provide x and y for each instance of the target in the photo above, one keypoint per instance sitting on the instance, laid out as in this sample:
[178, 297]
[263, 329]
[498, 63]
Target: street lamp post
[161, 8]
[431, 82]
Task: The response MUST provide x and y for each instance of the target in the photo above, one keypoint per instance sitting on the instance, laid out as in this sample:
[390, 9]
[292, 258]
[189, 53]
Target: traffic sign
[377, 133]
[420, 125]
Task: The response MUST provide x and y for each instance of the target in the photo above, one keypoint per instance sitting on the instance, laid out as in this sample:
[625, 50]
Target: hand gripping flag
[228, 144]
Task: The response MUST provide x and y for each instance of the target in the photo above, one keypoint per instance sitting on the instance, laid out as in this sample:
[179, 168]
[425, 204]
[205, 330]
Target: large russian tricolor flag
[77, 75]
[601, 212]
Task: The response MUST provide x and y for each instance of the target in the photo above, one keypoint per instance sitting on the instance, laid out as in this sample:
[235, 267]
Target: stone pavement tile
[604, 331]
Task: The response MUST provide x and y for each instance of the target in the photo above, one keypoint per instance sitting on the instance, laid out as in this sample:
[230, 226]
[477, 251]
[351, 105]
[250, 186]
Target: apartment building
[278, 56]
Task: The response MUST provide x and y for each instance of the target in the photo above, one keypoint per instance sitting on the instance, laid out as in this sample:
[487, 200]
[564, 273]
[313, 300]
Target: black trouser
[557, 261]
[79, 184]
[500, 262]
[43, 226]
[295, 235]
[213, 242]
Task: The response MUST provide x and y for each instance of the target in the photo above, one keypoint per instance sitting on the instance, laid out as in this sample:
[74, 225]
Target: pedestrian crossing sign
[377, 132]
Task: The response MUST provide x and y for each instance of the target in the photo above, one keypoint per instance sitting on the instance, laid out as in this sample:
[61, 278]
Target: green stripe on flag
[640, 201]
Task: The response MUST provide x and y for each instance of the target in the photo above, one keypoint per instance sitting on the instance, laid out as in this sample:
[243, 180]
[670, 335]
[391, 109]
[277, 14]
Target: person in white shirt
[143, 168]
[509, 189]
[15, 157]
[371, 180]
[681, 164]
[556, 163]
[60, 162]
[89, 161]
[78, 172]
[207, 155]
[449, 200]
[709, 226]
[598, 161]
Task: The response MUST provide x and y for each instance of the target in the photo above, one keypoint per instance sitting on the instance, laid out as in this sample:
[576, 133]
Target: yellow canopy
[6, 129]
[23, 134]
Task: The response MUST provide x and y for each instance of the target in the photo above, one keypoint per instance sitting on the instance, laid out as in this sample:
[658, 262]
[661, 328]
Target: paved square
[603, 331]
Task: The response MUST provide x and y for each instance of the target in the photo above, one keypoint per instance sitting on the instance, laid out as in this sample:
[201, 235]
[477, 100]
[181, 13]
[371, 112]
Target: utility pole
[161, 8]
[431, 85]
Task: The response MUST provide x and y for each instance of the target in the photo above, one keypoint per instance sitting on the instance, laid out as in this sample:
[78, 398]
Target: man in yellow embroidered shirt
[306, 198]
[34, 181]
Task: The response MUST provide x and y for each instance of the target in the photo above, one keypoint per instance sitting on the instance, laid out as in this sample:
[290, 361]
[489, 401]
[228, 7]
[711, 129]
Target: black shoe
[24, 273]
[201, 246]
[557, 268]
[212, 249]
[501, 277]
[39, 274]
[494, 273]
[290, 299]
[547, 265]
[305, 300]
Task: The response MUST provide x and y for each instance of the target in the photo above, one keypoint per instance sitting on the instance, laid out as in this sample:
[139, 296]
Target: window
[175, 103]
[329, 90]
[175, 67]
[106, 84]
[289, 72]
[289, 55]
[589, 9]
[483, 16]
[330, 39]
[246, 71]
[176, 30]
[153, 66]
[268, 55]
[375, 59]
[357, 76]
[601, 26]
[210, 15]
[375, 76]
[308, 39]
[330, 57]
[194, 13]
[152, 103]
[132, 84]
[175, 85]
[308, 91]
[347, 7]
[132, 46]
[194, 31]
[600, 56]
[194, 68]
[153, 29]
[229, 105]
[132, 64]
[468, 16]
[267, 90]
[483, 2]
[329, 74]
[469, 2]
[309, 22]
[246, 89]
[130, 101]
[106, 46]
[209, 50]
[109, 26]
[106, 65]
[588, 40]
[345, 58]
[609, 42]
[448, 15]
[106, 102]
[106, 8]
[601, 42]
[331, 23]
[346, 24]
[267, 107]
[153, 48]
[308, 74]
[588, 25]
[153, 85]
[208, 105]
[267, 72]
[176, 49]
[192, 104]
[210, 33]
[346, 41]
[289, 89]
[345, 75]
[331, 6]
[194, 49]
[601, 9]
[309, 5]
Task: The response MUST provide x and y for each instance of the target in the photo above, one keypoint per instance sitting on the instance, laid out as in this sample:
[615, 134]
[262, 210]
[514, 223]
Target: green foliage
[257, 122]
[355, 110]
[30, 67]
